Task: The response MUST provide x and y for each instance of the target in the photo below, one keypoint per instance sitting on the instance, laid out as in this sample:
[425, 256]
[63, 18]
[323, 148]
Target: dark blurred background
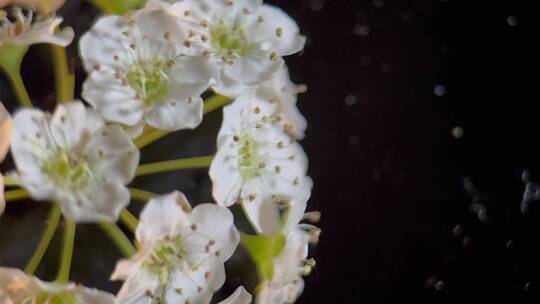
[423, 133]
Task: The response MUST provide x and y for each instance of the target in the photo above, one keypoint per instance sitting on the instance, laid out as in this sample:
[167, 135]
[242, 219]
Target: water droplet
[361, 30]
[466, 241]
[439, 90]
[457, 132]
[510, 245]
[350, 100]
[378, 3]
[439, 286]
[512, 20]
[316, 5]
[458, 230]
[353, 141]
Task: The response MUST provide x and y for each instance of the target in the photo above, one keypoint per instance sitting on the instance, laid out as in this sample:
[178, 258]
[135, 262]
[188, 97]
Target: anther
[246, 11]
[273, 56]
[193, 227]
[278, 169]
[257, 110]
[230, 2]
[279, 32]
[167, 36]
[296, 181]
[187, 13]
[236, 138]
[251, 197]
[313, 216]
[280, 145]
[260, 19]
[204, 38]
[187, 43]
[262, 165]
[204, 23]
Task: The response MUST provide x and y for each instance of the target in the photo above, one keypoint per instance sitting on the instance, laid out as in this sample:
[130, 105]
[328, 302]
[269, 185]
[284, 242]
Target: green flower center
[229, 39]
[168, 254]
[150, 79]
[68, 170]
[60, 298]
[250, 162]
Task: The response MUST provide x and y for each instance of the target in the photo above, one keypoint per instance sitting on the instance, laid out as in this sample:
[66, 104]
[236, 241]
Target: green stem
[210, 104]
[178, 164]
[67, 252]
[141, 195]
[10, 181]
[16, 195]
[129, 220]
[63, 79]
[52, 224]
[11, 57]
[119, 238]
[215, 102]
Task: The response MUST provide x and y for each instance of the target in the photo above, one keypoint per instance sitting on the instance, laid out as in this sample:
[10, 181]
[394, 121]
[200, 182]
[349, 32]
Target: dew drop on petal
[512, 20]
[361, 30]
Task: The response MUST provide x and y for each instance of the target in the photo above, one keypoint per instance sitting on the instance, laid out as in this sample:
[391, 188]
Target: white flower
[240, 296]
[71, 157]
[138, 72]
[245, 39]
[23, 28]
[283, 92]
[5, 137]
[292, 263]
[258, 164]
[17, 287]
[182, 255]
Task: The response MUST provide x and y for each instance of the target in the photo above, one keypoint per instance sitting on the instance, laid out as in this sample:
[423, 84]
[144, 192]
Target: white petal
[97, 202]
[229, 87]
[111, 154]
[263, 212]
[117, 102]
[217, 223]
[240, 296]
[225, 176]
[287, 42]
[190, 76]
[44, 32]
[102, 42]
[162, 215]
[73, 124]
[254, 68]
[176, 115]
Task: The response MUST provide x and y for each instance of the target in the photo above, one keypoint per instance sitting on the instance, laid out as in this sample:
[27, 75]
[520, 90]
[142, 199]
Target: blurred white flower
[258, 164]
[46, 4]
[138, 72]
[71, 157]
[281, 91]
[5, 137]
[292, 263]
[240, 296]
[21, 27]
[182, 255]
[244, 39]
[17, 287]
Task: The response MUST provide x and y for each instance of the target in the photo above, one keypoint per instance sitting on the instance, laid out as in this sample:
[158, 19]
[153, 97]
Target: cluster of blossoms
[147, 71]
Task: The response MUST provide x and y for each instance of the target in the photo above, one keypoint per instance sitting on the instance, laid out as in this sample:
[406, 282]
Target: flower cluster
[148, 70]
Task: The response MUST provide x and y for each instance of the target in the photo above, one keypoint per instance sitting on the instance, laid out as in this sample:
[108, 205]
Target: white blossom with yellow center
[18, 288]
[182, 256]
[244, 39]
[5, 137]
[73, 158]
[258, 164]
[140, 74]
[21, 27]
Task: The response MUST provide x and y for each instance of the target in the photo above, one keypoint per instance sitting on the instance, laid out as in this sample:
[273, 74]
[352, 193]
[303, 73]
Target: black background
[389, 174]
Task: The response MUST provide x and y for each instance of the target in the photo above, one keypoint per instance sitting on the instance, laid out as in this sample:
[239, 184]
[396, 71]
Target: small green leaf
[118, 7]
[263, 250]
